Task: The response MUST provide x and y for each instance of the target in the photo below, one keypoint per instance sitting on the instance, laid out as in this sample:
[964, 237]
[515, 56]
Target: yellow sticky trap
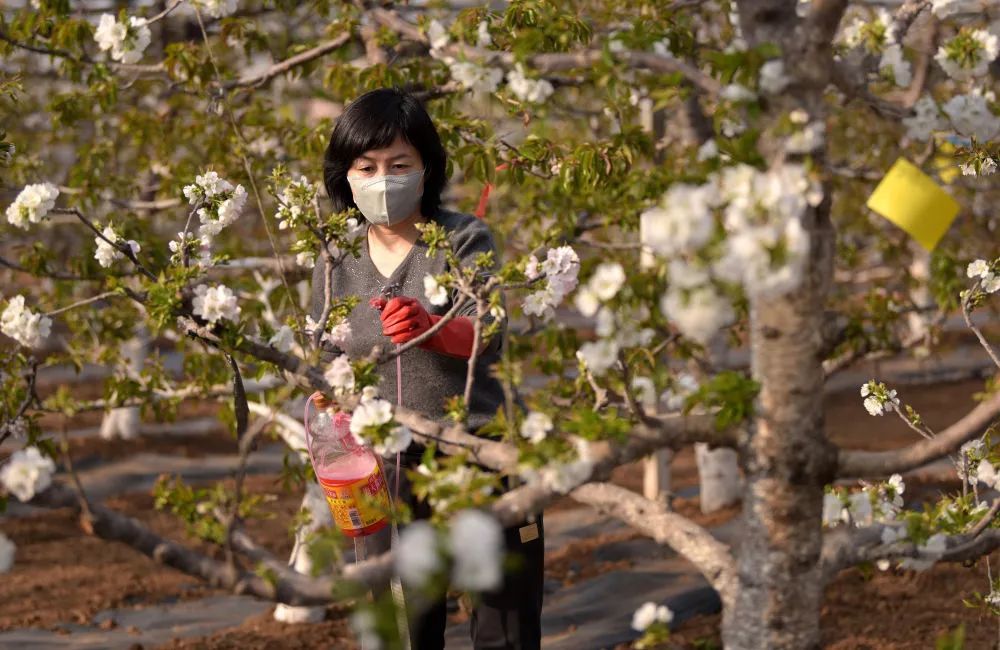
[910, 199]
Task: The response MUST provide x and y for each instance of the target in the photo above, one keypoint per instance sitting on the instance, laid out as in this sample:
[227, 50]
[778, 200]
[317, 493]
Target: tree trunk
[786, 460]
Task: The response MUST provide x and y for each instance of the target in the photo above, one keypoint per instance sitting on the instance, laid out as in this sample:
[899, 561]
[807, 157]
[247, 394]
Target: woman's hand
[404, 318]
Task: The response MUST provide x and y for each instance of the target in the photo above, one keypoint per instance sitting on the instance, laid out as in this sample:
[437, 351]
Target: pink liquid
[347, 467]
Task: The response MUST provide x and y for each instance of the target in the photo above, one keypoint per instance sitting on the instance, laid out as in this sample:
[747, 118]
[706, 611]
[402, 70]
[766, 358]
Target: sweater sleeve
[468, 242]
[328, 352]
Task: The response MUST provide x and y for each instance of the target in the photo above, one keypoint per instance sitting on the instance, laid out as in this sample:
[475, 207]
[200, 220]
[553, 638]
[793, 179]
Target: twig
[86, 301]
[123, 248]
[287, 64]
[81, 495]
[477, 334]
[966, 313]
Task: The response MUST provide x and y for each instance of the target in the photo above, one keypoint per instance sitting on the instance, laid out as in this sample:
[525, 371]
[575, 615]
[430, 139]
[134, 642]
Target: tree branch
[846, 547]
[287, 587]
[857, 464]
[674, 431]
[711, 557]
[289, 63]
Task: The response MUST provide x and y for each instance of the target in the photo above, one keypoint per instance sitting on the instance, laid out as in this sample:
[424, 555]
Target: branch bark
[858, 464]
[709, 555]
[673, 431]
[288, 587]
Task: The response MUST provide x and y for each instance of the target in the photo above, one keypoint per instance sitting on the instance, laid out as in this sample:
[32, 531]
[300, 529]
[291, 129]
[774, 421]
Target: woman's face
[400, 157]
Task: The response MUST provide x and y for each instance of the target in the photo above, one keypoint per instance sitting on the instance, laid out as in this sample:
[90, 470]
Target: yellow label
[528, 533]
[910, 199]
[357, 505]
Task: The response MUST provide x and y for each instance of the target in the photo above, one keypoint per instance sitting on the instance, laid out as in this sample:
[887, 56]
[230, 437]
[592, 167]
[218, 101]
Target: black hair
[372, 121]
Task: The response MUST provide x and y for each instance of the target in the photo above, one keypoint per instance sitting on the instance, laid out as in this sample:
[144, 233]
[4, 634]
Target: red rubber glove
[404, 318]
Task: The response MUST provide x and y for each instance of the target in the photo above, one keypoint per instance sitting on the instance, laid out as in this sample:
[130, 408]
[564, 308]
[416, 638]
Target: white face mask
[385, 200]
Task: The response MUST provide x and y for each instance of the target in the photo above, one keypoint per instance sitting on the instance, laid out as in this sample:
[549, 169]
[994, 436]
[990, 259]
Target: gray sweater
[429, 378]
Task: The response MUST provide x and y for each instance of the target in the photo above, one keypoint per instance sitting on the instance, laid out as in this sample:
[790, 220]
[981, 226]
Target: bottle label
[359, 507]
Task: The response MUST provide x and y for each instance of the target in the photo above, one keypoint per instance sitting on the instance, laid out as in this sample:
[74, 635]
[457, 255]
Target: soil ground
[55, 579]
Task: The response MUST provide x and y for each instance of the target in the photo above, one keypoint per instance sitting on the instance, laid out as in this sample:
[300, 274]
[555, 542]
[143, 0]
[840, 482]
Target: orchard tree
[684, 178]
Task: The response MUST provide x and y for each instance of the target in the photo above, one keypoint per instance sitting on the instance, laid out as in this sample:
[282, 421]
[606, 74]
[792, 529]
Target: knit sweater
[429, 378]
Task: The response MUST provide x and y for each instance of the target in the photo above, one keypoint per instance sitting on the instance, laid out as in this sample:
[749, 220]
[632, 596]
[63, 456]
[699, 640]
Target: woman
[386, 159]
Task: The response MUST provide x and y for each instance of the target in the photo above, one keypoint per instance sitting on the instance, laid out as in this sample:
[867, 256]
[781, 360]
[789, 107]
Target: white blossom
[893, 61]
[337, 336]
[214, 303]
[398, 440]
[476, 544]
[126, 42]
[990, 283]
[808, 139]
[23, 325]
[561, 268]
[483, 38]
[607, 279]
[27, 473]
[475, 77]
[708, 151]
[681, 222]
[32, 204]
[370, 413]
[532, 269]
[930, 552]
[190, 242]
[306, 259]
[106, 253]
[854, 33]
[283, 339]
[925, 121]
[684, 385]
[699, 313]
[534, 91]
[979, 48]
[561, 476]
[978, 269]
[540, 303]
[17, 428]
[773, 79]
[417, 558]
[340, 375]
[598, 355]
[970, 114]
[220, 202]
[437, 35]
[987, 473]
[649, 613]
[536, 426]
[860, 509]
[436, 293]
[896, 483]
[645, 391]
[7, 551]
[737, 93]
[586, 301]
[833, 509]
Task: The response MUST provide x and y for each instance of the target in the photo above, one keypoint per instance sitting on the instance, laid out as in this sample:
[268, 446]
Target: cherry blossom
[27, 473]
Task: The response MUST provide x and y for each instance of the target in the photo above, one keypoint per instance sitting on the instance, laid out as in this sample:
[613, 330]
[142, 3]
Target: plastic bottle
[349, 473]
